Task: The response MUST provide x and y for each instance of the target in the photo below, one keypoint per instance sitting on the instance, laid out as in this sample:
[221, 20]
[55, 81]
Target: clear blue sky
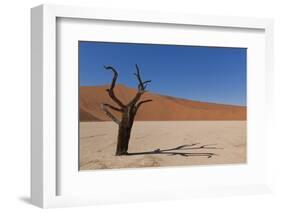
[209, 74]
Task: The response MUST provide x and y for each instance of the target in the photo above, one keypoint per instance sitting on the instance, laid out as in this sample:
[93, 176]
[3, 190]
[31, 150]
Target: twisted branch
[113, 107]
[141, 87]
[111, 89]
[140, 103]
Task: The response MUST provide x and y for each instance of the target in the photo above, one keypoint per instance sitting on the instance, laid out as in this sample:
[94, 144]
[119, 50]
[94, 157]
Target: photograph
[147, 105]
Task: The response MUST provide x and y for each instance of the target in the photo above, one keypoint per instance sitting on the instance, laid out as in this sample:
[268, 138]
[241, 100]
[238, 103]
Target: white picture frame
[45, 168]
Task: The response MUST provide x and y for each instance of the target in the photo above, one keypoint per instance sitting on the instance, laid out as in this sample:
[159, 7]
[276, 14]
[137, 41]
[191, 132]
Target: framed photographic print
[149, 106]
[194, 114]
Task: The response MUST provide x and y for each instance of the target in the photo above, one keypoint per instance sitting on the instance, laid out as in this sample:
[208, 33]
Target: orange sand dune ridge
[162, 108]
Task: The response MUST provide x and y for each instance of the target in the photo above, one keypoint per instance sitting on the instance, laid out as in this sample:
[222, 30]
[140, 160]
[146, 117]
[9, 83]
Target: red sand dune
[162, 108]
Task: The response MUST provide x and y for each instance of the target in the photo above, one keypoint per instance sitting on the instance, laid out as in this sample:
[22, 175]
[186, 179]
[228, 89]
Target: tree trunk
[124, 132]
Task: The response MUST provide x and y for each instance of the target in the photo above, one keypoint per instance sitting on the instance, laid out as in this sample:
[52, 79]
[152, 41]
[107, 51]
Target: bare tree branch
[113, 107]
[142, 102]
[113, 118]
[137, 74]
[111, 89]
[141, 87]
[145, 83]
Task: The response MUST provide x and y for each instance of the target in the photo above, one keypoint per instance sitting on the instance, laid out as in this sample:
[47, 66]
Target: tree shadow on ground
[182, 150]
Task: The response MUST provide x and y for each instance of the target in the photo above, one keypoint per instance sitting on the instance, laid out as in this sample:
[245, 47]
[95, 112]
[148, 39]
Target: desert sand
[98, 143]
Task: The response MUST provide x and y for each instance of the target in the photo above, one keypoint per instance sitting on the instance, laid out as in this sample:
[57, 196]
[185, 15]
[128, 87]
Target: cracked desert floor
[98, 143]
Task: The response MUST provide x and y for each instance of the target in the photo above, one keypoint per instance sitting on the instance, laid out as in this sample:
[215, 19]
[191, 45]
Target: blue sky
[209, 74]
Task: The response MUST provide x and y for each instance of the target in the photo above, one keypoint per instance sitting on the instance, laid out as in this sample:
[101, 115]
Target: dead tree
[128, 111]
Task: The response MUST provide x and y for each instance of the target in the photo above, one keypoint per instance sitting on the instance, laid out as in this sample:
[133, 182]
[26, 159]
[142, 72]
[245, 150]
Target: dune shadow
[182, 150]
